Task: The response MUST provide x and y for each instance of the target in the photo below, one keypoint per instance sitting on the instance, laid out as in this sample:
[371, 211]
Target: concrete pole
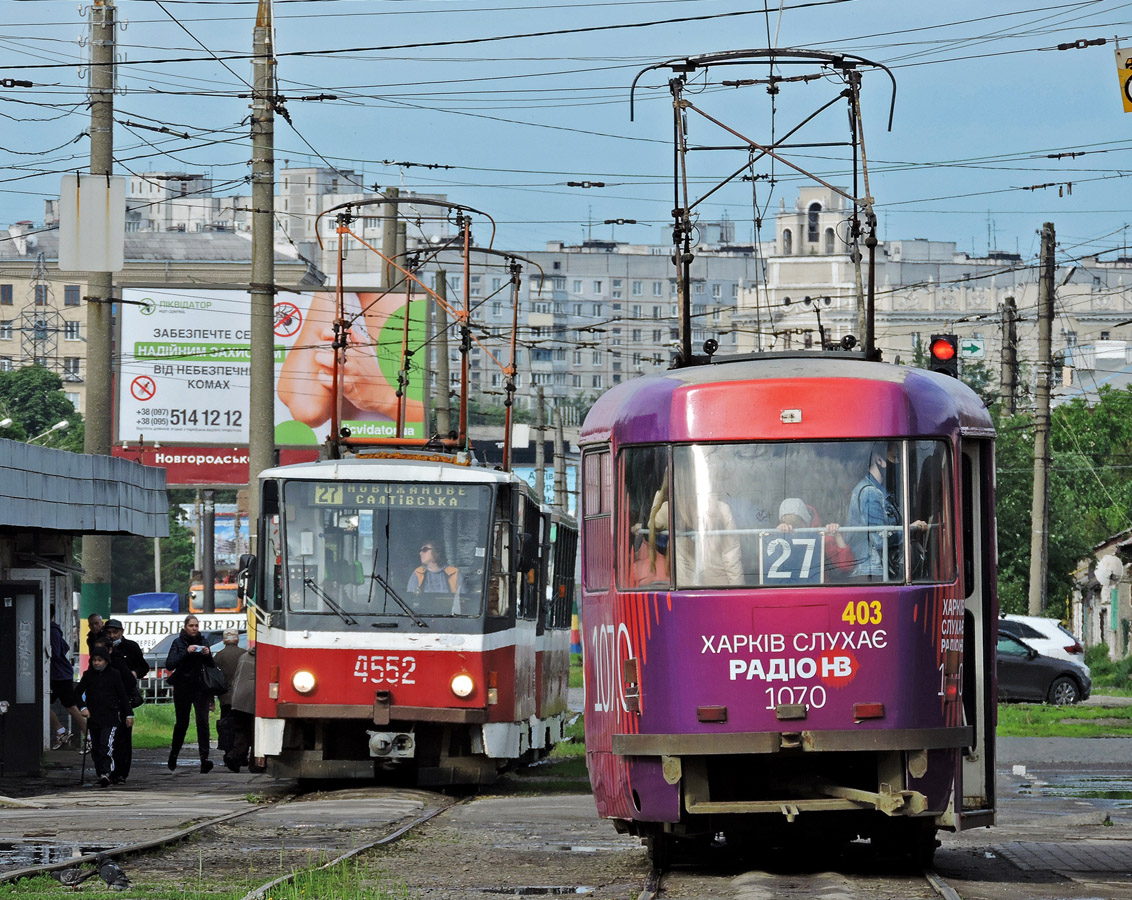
[560, 498]
[540, 444]
[390, 275]
[443, 398]
[99, 393]
[208, 569]
[261, 418]
[1008, 373]
[1039, 513]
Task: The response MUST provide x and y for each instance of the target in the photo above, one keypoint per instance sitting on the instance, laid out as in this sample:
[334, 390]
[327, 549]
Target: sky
[500, 103]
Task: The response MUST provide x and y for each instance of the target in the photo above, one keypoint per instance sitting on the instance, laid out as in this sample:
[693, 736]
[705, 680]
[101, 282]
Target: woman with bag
[188, 657]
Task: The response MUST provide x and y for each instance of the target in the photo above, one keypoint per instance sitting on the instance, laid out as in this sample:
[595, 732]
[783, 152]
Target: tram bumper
[391, 745]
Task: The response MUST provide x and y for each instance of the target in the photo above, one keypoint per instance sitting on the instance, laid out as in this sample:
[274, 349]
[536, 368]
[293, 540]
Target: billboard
[185, 370]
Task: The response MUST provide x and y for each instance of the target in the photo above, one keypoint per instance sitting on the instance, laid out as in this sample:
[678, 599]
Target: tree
[131, 567]
[32, 397]
[1090, 492]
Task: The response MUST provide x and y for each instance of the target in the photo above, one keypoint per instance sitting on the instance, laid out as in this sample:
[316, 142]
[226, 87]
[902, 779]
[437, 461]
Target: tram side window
[597, 518]
[930, 501]
[643, 519]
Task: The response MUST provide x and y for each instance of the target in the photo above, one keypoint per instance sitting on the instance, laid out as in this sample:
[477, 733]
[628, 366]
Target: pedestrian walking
[63, 687]
[187, 656]
[124, 739]
[227, 659]
[106, 708]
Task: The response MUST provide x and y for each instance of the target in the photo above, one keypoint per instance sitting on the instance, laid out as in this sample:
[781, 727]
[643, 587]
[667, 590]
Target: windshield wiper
[420, 623]
[329, 601]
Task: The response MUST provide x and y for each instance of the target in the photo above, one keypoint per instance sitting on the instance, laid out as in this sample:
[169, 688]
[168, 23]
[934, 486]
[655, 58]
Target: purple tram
[788, 604]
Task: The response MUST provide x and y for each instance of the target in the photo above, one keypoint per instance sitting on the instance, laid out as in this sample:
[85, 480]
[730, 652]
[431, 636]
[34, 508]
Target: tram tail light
[868, 711]
[492, 688]
[273, 682]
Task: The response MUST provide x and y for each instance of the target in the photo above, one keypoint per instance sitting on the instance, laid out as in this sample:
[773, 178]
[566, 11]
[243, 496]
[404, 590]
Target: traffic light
[944, 354]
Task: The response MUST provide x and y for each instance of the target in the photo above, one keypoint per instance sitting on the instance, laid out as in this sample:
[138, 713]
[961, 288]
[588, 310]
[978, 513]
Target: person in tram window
[803, 559]
[435, 576]
[875, 510]
[707, 541]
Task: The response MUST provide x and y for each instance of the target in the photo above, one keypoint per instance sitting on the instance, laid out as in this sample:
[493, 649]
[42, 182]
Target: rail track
[517, 846]
[264, 846]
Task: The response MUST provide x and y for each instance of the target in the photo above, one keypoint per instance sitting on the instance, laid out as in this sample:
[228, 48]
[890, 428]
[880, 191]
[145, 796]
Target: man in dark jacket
[227, 659]
[63, 686]
[126, 649]
[106, 708]
[187, 656]
[124, 739]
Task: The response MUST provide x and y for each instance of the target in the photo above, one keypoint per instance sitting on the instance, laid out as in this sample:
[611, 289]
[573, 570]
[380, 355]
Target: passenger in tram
[794, 512]
[650, 543]
[707, 543]
[873, 506]
[435, 576]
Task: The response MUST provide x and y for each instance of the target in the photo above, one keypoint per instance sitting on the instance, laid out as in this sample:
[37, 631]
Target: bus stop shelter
[47, 499]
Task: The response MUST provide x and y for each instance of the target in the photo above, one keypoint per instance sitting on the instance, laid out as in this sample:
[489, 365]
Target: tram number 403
[863, 612]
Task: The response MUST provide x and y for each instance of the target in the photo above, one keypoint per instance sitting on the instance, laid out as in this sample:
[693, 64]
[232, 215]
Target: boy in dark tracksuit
[106, 707]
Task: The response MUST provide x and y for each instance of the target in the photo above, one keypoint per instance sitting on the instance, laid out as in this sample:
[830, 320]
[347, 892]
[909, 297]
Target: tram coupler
[391, 745]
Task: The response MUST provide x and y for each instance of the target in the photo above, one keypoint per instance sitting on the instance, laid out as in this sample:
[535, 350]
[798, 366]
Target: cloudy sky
[500, 103]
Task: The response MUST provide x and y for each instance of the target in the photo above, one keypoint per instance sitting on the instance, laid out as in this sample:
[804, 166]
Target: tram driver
[434, 576]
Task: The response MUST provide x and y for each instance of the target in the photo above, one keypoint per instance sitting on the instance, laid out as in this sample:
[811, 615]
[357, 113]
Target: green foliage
[485, 414]
[32, 397]
[1090, 492]
[978, 377]
[1107, 673]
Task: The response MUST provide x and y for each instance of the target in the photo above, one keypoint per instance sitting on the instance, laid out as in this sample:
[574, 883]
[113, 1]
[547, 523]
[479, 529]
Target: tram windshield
[355, 550]
[787, 514]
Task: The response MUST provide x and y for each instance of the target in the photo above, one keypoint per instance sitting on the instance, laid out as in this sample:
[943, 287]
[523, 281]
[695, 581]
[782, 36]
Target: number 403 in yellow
[862, 612]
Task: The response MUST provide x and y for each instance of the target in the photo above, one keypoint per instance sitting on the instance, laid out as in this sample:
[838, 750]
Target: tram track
[270, 844]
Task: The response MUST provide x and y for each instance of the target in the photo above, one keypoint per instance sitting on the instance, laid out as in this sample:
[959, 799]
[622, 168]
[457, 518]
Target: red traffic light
[943, 349]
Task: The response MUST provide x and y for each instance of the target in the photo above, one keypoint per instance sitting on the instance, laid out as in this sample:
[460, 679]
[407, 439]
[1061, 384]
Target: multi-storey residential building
[43, 312]
[922, 287]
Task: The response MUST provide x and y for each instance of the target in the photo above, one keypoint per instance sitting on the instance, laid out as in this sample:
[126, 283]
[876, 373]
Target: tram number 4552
[380, 669]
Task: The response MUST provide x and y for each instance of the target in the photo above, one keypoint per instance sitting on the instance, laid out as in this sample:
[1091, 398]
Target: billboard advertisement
[185, 370]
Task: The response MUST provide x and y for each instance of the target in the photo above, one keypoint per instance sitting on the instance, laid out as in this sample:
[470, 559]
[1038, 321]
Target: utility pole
[389, 240]
[560, 498]
[99, 320]
[1039, 515]
[540, 445]
[443, 399]
[261, 418]
[1008, 373]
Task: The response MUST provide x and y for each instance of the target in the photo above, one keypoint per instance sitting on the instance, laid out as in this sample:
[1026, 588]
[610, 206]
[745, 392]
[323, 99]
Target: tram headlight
[303, 681]
[462, 685]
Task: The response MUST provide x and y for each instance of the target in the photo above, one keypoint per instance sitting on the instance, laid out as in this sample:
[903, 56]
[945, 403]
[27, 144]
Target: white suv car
[1048, 636]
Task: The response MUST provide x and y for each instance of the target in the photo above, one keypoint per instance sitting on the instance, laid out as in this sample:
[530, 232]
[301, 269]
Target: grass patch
[153, 725]
[1043, 720]
[575, 670]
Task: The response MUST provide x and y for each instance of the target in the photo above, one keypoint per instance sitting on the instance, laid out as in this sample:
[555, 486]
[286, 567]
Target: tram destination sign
[379, 494]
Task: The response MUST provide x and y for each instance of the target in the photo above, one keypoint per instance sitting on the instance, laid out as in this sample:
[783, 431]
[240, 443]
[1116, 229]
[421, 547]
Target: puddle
[18, 854]
[538, 891]
[1117, 789]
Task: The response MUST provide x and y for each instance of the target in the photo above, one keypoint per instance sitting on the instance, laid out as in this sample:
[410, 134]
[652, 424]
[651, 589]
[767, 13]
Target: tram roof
[387, 469]
[806, 396]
